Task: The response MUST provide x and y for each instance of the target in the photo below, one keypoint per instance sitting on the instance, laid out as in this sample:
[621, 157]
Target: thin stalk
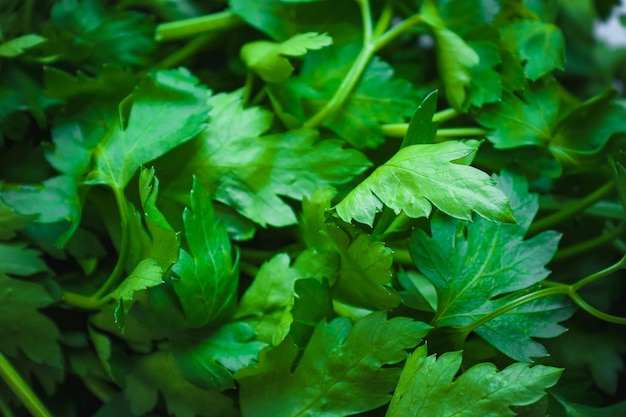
[590, 244]
[395, 130]
[185, 52]
[27, 15]
[383, 40]
[83, 301]
[595, 312]
[546, 292]
[21, 389]
[455, 132]
[366, 17]
[403, 257]
[603, 208]
[345, 89]
[118, 270]
[247, 87]
[445, 115]
[600, 274]
[570, 210]
[197, 25]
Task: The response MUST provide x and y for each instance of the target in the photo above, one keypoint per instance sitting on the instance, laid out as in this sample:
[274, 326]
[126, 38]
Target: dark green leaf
[470, 264]
[207, 362]
[17, 46]
[15, 259]
[340, 363]
[22, 327]
[422, 129]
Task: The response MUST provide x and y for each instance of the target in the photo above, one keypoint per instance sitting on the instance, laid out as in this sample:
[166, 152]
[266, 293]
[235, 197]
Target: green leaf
[472, 264]
[312, 304]
[363, 275]
[454, 57]
[267, 302]
[166, 109]
[157, 373]
[420, 176]
[379, 97]
[540, 46]
[486, 82]
[22, 327]
[428, 387]
[207, 288]
[250, 172]
[164, 241]
[10, 221]
[341, 362]
[520, 120]
[147, 274]
[281, 20]
[17, 46]
[88, 31]
[15, 259]
[268, 58]
[208, 362]
[421, 128]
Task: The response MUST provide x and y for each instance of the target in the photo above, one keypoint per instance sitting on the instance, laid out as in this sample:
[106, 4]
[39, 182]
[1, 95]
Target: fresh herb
[311, 208]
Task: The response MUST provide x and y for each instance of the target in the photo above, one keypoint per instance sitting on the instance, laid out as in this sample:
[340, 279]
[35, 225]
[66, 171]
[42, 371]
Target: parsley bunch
[311, 208]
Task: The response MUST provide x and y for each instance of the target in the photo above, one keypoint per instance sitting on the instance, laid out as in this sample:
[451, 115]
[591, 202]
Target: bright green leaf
[428, 387]
[208, 275]
[250, 172]
[341, 362]
[421, 128]
[17, 46]
[420, 176]
[166, 109]
[268, 58]
[470, 264]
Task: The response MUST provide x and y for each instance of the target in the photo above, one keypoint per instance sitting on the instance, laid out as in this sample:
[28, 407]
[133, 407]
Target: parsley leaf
[268, 58]
[167, 109]
[420, 176]
[470, 264]
[341, 362]
[249, 172]
[428, 387]
[207, 287]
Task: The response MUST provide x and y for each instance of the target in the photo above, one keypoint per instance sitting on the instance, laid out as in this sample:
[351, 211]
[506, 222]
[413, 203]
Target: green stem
[600, 274]
[570, 210]
[185, 52]
[197, 25]
[83, 301]
[21, 389]
[603, 208]
[455, 132]
[546, 292]
[595, 312]
[247, 87]
[366, 17]
[358, 67]
[590, 244]
[27, 15]
[445, 115]
[403, 257]
[118, 270]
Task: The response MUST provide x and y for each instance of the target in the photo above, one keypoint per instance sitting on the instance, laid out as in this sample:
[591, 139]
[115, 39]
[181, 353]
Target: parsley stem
[600, 274]
[118, 270]
[595, 312]
[21, 389]
[455, 132]
[384, 39]
[545, 292]
[83, 301]
[571, 209]
[384, 20]
[196, 25]
[590, 244]
[366, 17]
[445, 115]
